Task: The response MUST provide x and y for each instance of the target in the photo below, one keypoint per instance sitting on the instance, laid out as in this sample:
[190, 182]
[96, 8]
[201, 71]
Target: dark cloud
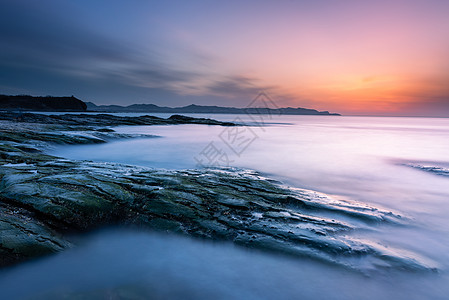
[66, 53]
[46, 42]
[47, 49]
[236, 85]
[155, 76]
[39, 38]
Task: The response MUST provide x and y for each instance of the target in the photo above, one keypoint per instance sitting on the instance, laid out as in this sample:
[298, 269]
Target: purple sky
[348, 56]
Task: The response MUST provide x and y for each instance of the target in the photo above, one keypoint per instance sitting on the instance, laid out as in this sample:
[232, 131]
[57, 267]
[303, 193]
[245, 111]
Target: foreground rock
[44, 199]
[105, 119]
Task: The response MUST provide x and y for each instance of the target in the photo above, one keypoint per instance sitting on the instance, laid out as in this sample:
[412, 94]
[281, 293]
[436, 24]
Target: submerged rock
[432, 169]
[22, 236]
[44, 199]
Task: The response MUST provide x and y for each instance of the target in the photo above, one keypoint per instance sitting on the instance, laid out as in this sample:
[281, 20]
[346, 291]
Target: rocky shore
[105, 119]
[44, 200]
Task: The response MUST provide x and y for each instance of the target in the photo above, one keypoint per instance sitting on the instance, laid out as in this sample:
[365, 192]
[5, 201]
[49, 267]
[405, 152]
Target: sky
[383, 57]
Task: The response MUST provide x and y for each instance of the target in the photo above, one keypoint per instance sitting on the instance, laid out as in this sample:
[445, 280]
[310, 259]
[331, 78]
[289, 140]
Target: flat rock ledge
[105, 119]
[44, 200]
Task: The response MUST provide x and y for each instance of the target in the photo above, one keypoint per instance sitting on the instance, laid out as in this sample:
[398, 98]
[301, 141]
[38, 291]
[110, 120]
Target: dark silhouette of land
[47, 103]
[50, 103]
[152, 108]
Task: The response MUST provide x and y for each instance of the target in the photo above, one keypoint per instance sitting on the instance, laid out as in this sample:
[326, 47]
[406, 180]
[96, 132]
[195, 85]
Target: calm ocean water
[396, 163]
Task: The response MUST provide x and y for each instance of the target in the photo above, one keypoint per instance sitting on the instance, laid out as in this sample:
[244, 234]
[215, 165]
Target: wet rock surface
[106, 119]
[45, 199]
[432, 169]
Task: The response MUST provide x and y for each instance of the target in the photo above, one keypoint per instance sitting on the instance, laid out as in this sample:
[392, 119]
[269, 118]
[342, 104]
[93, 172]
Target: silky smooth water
[376, 160]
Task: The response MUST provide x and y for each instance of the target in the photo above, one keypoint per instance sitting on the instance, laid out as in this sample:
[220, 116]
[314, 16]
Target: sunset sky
[355, 57]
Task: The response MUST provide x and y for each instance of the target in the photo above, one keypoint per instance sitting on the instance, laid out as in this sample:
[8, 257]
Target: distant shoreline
[202, 109]
[69, 104]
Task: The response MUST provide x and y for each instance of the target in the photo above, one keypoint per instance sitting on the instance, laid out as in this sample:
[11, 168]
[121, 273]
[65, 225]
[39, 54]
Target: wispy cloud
[342, 57]
[69, 50]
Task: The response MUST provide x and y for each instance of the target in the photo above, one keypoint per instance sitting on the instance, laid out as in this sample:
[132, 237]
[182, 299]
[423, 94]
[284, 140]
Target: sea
[397, 163]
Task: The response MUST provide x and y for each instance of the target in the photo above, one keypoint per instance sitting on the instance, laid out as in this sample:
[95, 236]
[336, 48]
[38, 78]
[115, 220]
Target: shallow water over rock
[381, 226]
[120, 264]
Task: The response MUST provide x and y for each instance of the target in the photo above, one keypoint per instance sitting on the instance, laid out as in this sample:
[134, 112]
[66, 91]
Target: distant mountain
[152, 108]
[48, 103]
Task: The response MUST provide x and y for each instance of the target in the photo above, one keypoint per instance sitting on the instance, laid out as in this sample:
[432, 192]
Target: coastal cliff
[48, 103]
